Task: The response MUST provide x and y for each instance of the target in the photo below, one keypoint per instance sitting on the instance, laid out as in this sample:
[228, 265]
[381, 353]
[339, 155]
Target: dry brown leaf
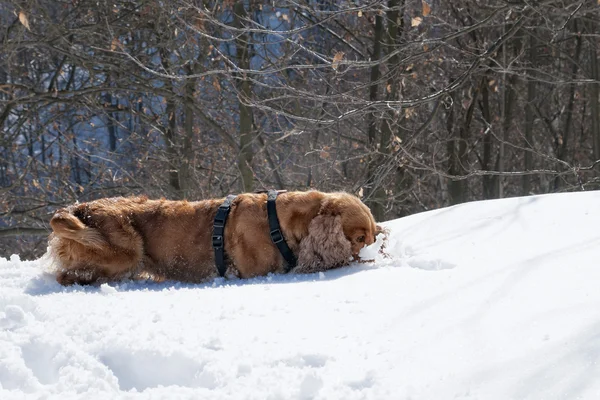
[217, 84]
[416, 21]
[115, 44]
[336, 59]
[200, 24]
[426, 8]
[24, 20]
[396, 143]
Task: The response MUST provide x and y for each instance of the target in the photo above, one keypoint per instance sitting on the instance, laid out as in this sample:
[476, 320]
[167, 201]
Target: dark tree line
[411, 104]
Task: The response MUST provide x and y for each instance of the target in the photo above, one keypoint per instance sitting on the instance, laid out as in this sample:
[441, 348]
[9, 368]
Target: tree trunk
[561, 141]
[507, 112]
[372, 180]
[395, 29]
[110, 123]
[185, 177]
[529, 117]
[508, 101]
[170, 135]
[458, 156]
[593, 94]
[171, 148]
[488, 181]
[246, 153]
[454, 186]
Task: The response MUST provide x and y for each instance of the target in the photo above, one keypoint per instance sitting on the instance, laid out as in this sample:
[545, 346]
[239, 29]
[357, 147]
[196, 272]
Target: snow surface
[486, 300]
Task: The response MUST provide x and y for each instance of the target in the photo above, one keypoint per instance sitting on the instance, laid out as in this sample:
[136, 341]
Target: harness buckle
[217, 241]
[276, 236]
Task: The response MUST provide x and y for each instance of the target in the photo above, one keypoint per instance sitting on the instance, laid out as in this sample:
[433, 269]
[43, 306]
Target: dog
[119, 238]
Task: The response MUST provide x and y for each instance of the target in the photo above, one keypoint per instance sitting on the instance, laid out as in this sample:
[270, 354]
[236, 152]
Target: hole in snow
[430, 264]
[42, 359]
[146, 369]
[306, 360]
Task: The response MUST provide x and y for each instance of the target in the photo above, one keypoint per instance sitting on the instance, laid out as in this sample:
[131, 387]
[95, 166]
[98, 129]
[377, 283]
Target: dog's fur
[115, 238]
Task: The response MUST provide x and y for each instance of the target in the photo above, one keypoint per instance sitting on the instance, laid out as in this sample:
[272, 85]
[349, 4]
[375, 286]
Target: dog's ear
[325, 246]
[330, 207]
[67, 226]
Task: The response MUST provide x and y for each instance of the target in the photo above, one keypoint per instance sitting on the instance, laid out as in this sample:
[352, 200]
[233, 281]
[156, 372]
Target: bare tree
[412, 104]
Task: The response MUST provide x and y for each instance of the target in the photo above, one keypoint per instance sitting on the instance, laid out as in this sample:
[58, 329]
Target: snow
[485, 300]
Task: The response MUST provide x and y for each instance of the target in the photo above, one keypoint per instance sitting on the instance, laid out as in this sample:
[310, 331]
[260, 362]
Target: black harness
[275, 231]
[218, 237]
[218, 240]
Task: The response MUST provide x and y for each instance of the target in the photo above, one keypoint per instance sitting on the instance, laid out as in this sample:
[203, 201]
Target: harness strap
[218, 237]
[276, 234]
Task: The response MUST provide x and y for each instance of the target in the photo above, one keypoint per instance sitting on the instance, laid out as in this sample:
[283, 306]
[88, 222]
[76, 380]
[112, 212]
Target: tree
[412, 104]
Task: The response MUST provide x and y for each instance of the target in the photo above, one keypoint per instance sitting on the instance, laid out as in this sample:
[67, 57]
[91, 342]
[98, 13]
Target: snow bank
[486, 300]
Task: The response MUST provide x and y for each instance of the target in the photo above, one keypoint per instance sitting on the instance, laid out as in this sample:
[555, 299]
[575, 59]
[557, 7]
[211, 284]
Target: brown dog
[116, 238]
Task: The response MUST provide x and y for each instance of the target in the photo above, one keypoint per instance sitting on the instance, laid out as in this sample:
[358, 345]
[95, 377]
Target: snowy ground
[487, 300]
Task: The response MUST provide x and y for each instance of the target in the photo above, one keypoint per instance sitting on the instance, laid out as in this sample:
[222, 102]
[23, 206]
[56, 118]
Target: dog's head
[342, 227]
[356, 220]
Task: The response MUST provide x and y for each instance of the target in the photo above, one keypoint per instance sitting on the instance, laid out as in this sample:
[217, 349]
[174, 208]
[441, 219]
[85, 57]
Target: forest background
[410, 104]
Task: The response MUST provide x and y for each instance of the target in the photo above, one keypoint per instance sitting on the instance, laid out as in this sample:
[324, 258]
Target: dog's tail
[67, 226]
